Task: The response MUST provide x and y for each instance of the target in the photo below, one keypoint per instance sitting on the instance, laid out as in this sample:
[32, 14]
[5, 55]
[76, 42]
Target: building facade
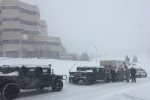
[24, 34]
[69, 56]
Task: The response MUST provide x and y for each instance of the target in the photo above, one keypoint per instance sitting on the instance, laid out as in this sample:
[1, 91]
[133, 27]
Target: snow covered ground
[98, 91]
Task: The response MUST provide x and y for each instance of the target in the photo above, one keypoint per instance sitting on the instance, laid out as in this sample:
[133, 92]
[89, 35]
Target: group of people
[117, 75]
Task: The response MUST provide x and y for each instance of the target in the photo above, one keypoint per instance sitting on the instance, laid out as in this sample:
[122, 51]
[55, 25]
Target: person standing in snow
[133, 72]
[112, 72]
[127, 73]
[120, 74]
[116, 74]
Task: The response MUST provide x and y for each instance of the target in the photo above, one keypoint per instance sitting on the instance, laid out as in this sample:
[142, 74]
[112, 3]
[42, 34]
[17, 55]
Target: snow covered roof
[26, 65]
[83, 71]
[90, 67]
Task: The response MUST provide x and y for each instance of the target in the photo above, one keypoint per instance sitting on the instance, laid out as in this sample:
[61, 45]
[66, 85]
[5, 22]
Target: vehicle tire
[107, 79]
[74, 81]
[90, 81]
[10, 91]
[57, 86]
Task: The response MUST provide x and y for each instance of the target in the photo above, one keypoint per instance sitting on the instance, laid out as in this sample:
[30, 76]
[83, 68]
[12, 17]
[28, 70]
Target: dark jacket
[112, 72]
[132, 71]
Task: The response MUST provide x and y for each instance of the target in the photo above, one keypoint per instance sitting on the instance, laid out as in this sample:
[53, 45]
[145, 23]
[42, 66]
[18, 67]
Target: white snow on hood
[10, 74]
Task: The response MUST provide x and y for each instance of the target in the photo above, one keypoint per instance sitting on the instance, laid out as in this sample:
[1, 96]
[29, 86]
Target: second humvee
[89, 75]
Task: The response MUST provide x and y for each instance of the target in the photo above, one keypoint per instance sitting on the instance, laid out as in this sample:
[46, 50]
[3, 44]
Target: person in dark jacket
[112, 72]
[133, 72]
[116, 74]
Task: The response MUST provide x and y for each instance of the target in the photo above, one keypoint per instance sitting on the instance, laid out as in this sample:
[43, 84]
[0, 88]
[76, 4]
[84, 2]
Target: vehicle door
[31, 78]
[102, 73]
[97, 74]
[45, 77]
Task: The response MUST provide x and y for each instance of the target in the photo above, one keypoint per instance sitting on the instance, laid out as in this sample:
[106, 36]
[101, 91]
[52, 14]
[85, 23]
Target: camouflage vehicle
[109, 64]
[88, 75]
[16, 77]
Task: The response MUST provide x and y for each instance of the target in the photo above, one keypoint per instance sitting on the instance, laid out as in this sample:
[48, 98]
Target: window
[28, 22]
[31, 71]
[28, 42]
[45, 71]
[11, 29]
[10, 19]
[28, 32]
[97, 70]
[12, 54]
[13, 41]
[10, 7]
[27, 11]
[40, 25]
[141, 70]
[53, 43]
[41, 42]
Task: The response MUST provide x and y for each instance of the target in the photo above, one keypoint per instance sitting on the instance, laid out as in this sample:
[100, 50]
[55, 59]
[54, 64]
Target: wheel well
[6, 82]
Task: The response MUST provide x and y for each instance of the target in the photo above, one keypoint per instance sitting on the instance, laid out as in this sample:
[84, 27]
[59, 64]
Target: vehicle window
[97, 70]
[103, 70]
[141, 70]
[45, 71]
[31, 71]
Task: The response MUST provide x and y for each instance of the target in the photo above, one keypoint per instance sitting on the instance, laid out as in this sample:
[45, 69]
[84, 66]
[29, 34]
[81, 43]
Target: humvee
[88, 75]
[16, 77]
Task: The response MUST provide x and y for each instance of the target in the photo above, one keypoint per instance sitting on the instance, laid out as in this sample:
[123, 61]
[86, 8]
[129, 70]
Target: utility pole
[96, 53]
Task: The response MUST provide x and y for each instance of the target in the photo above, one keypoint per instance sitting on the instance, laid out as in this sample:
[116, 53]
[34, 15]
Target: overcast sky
[113, 26]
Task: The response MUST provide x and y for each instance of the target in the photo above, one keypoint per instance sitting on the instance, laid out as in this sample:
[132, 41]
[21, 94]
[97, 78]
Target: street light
[96, 53]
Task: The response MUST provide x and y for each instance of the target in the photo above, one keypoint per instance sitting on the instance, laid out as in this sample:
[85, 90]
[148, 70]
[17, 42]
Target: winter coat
[127, 72]
[112, 72]
[132, 71]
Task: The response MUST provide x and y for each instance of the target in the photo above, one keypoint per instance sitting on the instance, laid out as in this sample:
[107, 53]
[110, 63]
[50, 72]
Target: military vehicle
[114, 64]
[109, 64]
[16, 77]
[88, 75]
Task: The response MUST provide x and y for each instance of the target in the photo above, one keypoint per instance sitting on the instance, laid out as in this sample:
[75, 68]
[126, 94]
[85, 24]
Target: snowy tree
[85, 57]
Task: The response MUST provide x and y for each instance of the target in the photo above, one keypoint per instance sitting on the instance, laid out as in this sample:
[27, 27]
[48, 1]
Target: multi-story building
[24, 34]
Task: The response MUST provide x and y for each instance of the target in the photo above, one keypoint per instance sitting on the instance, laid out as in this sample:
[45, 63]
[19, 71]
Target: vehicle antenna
[74, 65]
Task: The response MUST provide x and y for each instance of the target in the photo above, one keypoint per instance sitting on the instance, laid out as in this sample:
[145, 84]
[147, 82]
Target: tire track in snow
[75, 92]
